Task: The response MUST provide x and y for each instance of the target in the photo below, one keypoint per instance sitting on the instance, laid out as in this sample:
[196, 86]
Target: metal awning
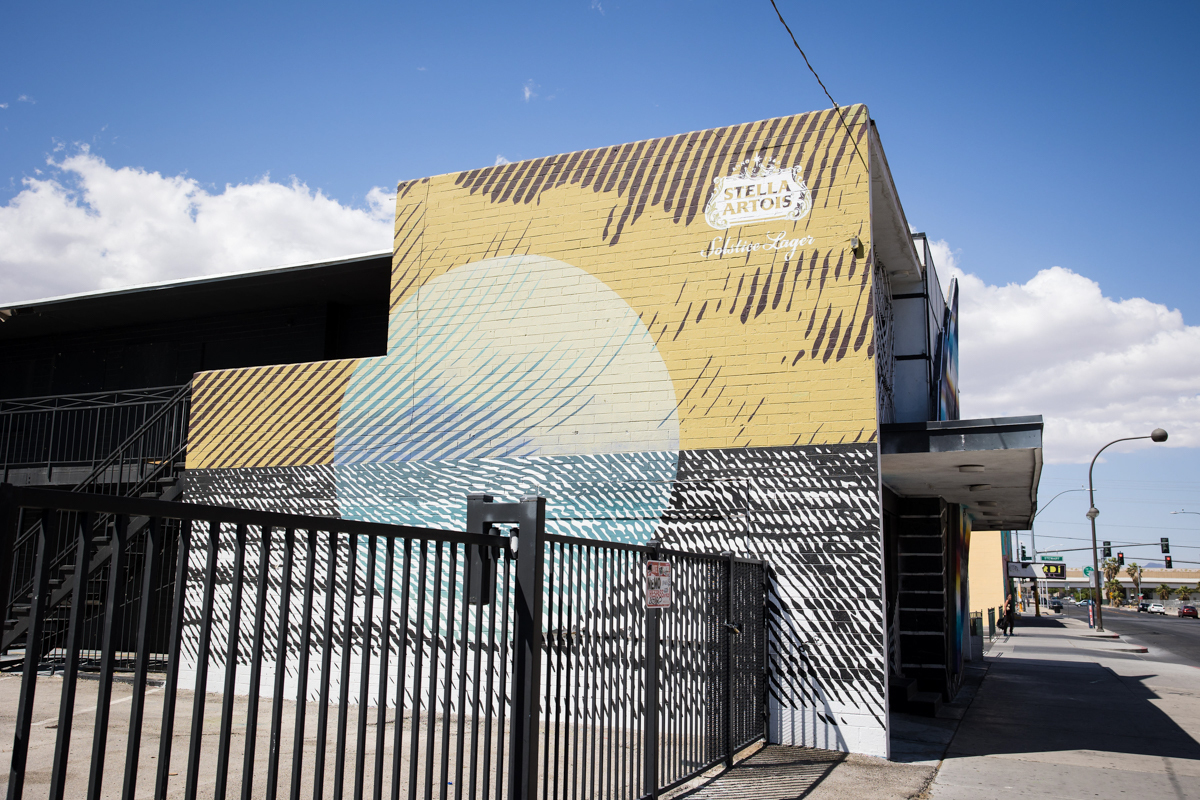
[989, 466]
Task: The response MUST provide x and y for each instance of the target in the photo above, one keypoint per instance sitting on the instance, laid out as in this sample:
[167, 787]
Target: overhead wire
[836, 107]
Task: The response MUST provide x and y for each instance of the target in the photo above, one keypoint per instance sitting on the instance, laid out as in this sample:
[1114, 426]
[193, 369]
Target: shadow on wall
[1039, 706]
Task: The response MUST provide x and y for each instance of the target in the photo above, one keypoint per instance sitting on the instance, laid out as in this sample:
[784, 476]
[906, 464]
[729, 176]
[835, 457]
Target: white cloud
[528, 90]
[3, 105]
[1096, 368]
[26, 99]
[420, 69]
[89, 226]
[597, 7]
[501, 161]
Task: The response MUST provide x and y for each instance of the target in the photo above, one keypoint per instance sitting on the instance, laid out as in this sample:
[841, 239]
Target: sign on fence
[658, 584]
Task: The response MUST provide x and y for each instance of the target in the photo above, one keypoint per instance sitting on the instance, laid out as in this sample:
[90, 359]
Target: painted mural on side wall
[637, 333]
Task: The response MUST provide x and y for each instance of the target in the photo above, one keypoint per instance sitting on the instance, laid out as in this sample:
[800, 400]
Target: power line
[836, 107]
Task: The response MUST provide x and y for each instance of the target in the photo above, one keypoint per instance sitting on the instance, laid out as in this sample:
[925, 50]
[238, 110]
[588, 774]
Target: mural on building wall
[629, 331]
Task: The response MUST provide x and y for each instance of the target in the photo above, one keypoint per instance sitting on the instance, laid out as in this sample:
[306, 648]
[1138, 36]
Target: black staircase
[921, 552]
[48, 438]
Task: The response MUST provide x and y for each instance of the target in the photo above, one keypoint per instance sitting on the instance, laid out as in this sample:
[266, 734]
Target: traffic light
[1108, 550]
[1166, 544]
[1168, 562]
[1024, 557]
[1120, 559]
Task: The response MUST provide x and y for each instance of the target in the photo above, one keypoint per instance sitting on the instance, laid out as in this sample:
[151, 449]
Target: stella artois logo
[761, 191]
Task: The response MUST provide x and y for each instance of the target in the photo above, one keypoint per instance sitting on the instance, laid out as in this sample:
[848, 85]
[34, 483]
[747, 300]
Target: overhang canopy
[990, 466]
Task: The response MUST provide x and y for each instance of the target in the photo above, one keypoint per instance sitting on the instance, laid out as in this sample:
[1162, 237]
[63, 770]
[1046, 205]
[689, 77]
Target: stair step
[925, 704]
[67, 569]
[900, 691]
[167, 481]
[150, 495]
[102, 541]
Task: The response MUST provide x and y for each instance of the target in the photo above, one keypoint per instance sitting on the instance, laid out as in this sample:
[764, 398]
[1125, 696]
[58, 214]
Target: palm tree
[1164, 592]
[1134, 571]
[1110, 568]
[1114, 592]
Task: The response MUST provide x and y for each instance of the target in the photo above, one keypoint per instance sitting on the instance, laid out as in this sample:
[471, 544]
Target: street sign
[1050, 558]
[658, 584]
[1087, 572]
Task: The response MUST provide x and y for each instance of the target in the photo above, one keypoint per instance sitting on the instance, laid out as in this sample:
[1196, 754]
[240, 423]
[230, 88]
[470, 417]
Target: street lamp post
[1037, 605]
[1156, 435]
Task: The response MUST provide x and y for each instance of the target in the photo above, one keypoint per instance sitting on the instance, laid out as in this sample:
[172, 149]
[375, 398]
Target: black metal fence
[351, 656]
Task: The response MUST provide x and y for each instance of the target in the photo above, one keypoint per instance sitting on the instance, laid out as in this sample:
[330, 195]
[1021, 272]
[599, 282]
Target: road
[1179, 637]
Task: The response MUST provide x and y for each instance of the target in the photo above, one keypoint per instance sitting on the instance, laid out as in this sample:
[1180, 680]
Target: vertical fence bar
[231, 660]
[650, 779]
[385, 648]
[339, 755]
[275, 743]
[310, 569]
[107, 658]
[33, 655]
[502, 686]
[256, 652]
[167, 733]
[364, 682]
[727, 665]
[435, 625]
[461, 741]
[150, 574]
[66, 705]
[447, 677]
[418, 663]
[402, 672]
[527, 651]
[210, 579]
[326, 665]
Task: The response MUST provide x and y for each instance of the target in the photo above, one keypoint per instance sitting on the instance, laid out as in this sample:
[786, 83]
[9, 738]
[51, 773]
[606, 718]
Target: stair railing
[147, 455]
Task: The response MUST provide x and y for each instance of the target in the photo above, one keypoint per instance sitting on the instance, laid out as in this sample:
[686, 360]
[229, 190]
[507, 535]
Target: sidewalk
[1060, 712]
[1065, 713]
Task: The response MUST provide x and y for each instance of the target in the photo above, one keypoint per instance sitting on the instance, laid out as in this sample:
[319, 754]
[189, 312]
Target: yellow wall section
[762, 350]
[266, 416]
[985, 571]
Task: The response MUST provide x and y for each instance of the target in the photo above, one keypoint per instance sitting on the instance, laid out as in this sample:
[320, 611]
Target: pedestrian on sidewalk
[1010, 614]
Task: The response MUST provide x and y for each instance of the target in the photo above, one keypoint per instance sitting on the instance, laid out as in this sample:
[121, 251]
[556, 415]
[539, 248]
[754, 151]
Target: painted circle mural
[512, 375]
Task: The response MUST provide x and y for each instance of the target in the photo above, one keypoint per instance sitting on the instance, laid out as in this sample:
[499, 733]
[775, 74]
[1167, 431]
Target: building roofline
[196, 281]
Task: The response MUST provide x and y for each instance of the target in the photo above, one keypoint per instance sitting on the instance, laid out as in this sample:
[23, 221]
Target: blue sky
[1026, 136]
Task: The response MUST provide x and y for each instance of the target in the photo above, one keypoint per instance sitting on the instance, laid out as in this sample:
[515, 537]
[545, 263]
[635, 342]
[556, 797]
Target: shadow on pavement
[1038, 705]
[773, 772]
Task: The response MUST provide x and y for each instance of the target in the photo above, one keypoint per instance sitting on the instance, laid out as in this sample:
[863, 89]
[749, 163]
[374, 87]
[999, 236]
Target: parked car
[1187, 611]
[1084, 603]
[1056, 605]
[1158, 608]
[1144, 606]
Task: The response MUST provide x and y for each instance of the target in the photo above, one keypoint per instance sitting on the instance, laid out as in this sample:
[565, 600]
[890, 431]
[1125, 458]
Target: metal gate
[347, 656]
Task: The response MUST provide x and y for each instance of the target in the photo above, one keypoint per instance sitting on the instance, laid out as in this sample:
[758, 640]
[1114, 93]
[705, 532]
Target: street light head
[1158, 435]
[1093, 512]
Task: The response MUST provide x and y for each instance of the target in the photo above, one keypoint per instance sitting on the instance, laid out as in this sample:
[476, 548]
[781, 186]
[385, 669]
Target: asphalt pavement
[1177, 637]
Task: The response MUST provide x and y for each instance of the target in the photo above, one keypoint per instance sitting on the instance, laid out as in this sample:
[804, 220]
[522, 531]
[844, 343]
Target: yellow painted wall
[771, 344]
[985, 569]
